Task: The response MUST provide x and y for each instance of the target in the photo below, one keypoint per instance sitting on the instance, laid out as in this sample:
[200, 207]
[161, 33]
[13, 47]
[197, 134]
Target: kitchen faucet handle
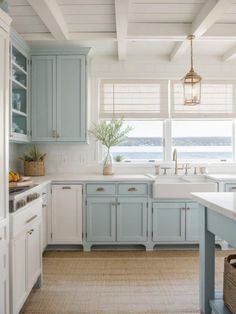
[165, 170]
[187, 167]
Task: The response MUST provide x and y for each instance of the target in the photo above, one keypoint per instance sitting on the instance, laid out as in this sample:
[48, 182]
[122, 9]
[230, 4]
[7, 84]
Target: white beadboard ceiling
[130, 27]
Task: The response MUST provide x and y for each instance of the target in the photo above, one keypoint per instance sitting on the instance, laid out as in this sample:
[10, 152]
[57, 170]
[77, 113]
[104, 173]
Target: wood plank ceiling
[128, 21]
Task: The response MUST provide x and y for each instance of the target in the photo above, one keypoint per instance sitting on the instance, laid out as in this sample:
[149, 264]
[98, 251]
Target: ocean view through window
[203, 140]
[145, 142]
[195, 140]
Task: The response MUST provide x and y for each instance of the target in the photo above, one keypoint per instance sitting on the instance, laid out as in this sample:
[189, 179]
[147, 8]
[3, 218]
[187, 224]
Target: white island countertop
[223, 203]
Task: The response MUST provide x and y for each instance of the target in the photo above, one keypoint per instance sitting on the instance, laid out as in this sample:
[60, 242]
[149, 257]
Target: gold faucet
[175, 158]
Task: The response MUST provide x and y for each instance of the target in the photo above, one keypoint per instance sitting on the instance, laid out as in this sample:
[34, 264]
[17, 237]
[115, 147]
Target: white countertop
[222, 177]
[222, 202]
[90, 177]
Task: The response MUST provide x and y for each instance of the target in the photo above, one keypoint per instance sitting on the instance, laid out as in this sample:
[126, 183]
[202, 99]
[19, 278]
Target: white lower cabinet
[4, 280]
[66, 214]
[26, 253]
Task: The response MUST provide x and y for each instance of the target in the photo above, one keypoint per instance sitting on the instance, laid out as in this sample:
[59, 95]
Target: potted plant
[118, 158]
[110, 134]
[33, 162]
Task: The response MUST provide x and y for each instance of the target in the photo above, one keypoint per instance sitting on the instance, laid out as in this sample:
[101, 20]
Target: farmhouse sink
[181, 187]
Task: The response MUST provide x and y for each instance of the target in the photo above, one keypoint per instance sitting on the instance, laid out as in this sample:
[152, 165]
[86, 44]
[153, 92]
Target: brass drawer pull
[44, 205]
[66, 187]
[113, 204]
[32, 218]
[31, 231]
[233, 188]
[100, 189]
[132, 190]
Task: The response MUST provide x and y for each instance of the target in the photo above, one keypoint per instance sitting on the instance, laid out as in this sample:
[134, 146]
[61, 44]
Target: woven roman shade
[217, 101]
[134, 99]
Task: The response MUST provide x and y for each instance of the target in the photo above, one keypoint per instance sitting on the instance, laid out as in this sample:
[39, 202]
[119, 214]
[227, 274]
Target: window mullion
[167, 140]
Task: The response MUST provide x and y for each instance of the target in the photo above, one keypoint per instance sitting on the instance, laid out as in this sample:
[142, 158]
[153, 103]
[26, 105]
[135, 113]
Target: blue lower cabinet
[192, 222]
[101, 219]
[132, 216]
[168, 222]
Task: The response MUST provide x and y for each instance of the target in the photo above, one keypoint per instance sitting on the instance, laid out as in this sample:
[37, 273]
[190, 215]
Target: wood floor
[119, 282]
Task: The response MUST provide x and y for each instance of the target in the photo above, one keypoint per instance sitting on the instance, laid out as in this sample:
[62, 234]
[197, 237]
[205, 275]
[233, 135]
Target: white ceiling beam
[150, 32]
[50, 13]
[122, 15]
[209, 14]
[230, 54]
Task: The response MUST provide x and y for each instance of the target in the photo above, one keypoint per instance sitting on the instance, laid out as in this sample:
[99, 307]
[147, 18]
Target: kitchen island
[217, 217]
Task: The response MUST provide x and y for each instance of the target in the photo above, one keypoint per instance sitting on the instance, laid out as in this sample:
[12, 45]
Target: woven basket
[34, 168]
[230, 282]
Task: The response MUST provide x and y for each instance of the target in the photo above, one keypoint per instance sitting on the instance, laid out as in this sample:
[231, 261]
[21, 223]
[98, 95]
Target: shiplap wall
[84, 158]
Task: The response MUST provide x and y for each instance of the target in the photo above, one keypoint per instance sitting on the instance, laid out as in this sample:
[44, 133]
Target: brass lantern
[192, 83]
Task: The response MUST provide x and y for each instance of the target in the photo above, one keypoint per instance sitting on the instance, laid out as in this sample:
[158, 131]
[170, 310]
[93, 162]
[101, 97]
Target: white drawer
[24, 218]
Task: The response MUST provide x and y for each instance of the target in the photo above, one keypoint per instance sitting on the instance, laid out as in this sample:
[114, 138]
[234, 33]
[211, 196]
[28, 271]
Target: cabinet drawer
[100, 189]
[133, 189]
[23, 219]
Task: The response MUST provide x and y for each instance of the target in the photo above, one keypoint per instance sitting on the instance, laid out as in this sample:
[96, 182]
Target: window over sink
[160, 123]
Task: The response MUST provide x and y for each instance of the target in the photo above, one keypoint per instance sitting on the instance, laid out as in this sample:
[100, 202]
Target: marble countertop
[222, 177]
[89, 178]
[222, 202]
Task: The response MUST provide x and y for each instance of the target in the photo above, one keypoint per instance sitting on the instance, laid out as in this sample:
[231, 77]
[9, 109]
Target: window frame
[167, 124]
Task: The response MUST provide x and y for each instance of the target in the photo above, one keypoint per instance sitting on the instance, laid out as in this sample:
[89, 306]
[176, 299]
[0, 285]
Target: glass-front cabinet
[19, 96]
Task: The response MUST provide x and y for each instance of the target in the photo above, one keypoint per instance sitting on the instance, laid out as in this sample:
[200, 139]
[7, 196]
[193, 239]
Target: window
[203, 140]
[154, 109]
[144, 142]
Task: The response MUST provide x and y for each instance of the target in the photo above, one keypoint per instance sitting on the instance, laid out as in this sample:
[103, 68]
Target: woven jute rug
[119, 282]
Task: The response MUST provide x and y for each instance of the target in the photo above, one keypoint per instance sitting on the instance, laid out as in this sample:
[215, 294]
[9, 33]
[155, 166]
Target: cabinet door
[192, 222]
[3, 294]
[4, 48]
[71, 98]
[44, 223]
[101, 219]
[18, 272]
[34, 252]
[3, 272]
[169, 222]
[132, 219]
[67, 214]
[43, 98]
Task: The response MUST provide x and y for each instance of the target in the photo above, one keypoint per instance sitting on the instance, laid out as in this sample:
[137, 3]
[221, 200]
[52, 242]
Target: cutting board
[20, 184]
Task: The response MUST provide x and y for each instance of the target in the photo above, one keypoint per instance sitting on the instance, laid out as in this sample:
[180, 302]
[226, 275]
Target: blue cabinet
[116, 219]
[59, 91]
[101, 219]
[168, 222]
[176, 222]
[132, 219]
[192, 222]
[71, 98]
[43, 98]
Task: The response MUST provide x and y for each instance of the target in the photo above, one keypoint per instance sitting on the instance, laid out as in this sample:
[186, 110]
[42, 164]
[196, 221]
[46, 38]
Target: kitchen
[115, 164]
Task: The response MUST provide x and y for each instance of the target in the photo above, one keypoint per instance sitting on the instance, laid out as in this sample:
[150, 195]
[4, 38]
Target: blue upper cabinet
[71, 98]
[59, 98]
[43, 98]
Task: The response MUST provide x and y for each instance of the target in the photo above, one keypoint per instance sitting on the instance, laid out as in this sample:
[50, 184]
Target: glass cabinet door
[19, 92]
